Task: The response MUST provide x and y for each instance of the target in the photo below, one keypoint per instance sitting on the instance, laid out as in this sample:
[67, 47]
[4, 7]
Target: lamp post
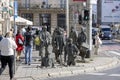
[67, 17]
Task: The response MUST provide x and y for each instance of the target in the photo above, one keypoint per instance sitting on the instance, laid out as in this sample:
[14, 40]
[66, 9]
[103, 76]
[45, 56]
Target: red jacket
[19, 46]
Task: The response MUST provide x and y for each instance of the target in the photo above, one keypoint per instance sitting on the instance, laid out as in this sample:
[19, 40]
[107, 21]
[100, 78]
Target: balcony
[41, 6]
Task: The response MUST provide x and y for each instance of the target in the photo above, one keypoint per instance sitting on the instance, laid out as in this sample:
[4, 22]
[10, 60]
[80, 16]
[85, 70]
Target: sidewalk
[26, 72]
[100, 62]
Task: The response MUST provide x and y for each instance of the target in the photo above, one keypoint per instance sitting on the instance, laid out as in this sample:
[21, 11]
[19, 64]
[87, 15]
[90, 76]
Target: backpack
[37, 41]
[28, 39]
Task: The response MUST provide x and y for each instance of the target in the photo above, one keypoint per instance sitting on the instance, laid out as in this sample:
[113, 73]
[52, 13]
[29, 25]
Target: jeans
[7, 60]
[28, 54]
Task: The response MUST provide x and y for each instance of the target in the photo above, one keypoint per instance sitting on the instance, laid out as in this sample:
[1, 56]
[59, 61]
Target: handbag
[20, 41]
[100, 41]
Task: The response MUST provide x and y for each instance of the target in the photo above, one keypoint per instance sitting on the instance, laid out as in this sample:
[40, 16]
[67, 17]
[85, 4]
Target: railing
[38, 6]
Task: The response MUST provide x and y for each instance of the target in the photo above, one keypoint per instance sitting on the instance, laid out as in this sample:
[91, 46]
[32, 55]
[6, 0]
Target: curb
[106, 66]
[68, 72]
[113, 63]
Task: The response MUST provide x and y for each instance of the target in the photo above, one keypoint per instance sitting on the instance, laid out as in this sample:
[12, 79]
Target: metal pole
[90, 27]
[67, 17]
[15, 31]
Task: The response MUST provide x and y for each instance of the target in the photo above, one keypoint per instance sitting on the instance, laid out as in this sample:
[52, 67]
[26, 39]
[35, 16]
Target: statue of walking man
[58, 44]
[45, 40]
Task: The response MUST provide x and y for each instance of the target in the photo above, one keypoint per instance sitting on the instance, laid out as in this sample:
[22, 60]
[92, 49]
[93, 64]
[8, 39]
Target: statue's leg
[73, 60]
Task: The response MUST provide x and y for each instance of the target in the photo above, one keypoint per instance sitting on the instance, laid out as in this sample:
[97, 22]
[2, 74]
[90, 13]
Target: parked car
[105, 32]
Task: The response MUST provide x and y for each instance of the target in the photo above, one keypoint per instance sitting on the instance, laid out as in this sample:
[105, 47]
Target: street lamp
[67, 17]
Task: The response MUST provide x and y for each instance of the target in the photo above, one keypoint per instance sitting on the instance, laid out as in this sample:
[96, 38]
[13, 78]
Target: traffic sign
[15, 9]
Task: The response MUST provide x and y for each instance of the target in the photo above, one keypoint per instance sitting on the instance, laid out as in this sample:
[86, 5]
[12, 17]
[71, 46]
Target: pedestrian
[1, 37]
[98, 42]
[7, 46]
[28, 45]
[20, 43]
[37, 40]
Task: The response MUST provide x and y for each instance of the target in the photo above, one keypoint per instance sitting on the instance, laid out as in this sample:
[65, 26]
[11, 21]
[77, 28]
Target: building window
[45, 4]
[27, 3]
[46, 1]
[28, 16]
[45, 20]
[62, 3]
[61, 22]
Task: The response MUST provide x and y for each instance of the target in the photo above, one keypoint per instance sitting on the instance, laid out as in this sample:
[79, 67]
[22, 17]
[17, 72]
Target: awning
[21, 21]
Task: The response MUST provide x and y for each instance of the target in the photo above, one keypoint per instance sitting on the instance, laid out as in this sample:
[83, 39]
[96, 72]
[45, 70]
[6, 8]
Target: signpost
[15, 29]
[15, 15]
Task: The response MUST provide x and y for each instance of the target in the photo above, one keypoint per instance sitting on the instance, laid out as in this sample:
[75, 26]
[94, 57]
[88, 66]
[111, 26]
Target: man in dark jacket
[28, 45]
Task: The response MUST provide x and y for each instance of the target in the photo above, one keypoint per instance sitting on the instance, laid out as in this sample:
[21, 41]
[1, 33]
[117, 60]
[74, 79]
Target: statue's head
[72, 28]
[70, 41]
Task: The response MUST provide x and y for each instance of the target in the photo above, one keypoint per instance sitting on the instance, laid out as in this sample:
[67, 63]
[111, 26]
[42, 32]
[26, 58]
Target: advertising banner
[110, 11]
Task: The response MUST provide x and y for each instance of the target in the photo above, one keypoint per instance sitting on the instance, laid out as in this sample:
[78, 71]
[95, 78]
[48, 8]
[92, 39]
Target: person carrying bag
[98, 42]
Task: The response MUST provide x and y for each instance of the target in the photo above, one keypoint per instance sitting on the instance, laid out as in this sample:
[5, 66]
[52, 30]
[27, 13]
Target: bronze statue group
[65, 49]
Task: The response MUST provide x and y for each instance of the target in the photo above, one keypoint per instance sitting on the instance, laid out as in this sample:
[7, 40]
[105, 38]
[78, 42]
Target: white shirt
[7, 46]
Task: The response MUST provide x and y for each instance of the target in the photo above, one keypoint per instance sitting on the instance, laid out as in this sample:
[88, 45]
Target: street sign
[15, 9]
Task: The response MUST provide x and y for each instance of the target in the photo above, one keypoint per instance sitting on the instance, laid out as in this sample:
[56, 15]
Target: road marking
[99, 74]
[113, 52]
[105, 74]
[115, 75]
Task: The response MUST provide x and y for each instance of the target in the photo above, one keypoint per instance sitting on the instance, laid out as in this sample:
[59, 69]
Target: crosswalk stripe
[113, 52]
[99, 74]
[105, 74]
[115, 75]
